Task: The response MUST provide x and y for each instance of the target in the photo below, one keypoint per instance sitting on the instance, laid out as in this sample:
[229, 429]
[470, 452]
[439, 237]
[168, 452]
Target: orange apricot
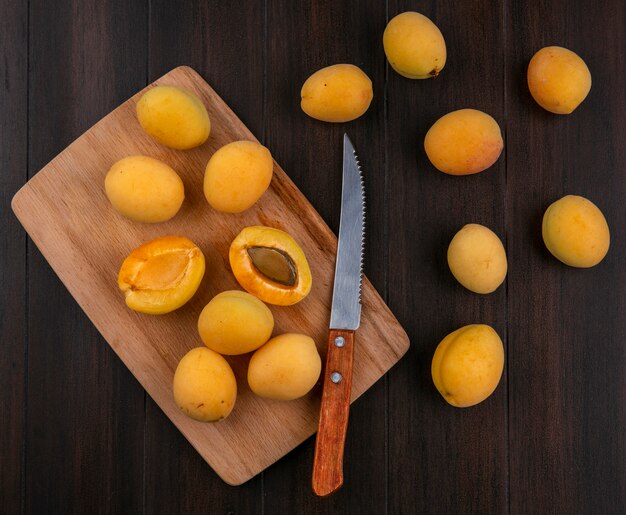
[269, 264]
[161, 275]
[464, 142]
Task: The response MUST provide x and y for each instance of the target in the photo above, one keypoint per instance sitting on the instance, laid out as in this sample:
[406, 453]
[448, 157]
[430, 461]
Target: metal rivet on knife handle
[340, 341]
[336, 377]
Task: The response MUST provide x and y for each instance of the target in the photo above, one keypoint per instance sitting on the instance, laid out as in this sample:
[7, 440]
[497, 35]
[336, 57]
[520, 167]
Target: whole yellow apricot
[464, 142]
[235, 322]
[414, 46]
[144, 189]
[174, 117]
[575, 232]
[205, 387]
[285, 368]
[468, 364]
[477, 258]
[237, 175]
[558, 79]
[161, 275]
[337, 93]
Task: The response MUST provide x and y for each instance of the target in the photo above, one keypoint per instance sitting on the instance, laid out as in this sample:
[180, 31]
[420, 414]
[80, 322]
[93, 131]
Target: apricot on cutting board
[161, 275]
[558, 79]
[269, 264]
[414, 46]
[337, 93]
[467, 365]
[144, 189]
[464, 142]
[235, 322]
[285, 368]
[237, 175]
[205, 387]
[174, 117]
[575, 232]
[477, 258]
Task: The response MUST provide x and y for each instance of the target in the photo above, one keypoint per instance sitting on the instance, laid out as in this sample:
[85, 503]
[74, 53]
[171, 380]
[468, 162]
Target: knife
[345, 317]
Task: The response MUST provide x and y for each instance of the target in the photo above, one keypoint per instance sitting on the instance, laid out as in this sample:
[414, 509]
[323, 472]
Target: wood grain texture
[302, 38]
[66, 213]
[198, 33]
[13, 334]
[567, 327]
[334, 413]
[550, 440]
[84, 417]
[455, 454]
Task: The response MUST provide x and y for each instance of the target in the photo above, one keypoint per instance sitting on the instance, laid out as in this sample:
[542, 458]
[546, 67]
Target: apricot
[464, 142]
[285, 368]
[414, 46]
[237, 175]
[575, 232]
[144, 189]
[161, 275]
[468, 364]
[337, 93]
[235, 322]
[205, 387]
[174, 117]
[270, 265]
[558, 79]
[477, 258]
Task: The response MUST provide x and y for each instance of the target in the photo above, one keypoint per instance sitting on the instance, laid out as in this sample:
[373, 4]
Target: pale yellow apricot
[338, 93]
[414, 46]
[144, 189]
[477, 258]
[558, 79]
[464, 142]
[576, 232]
[174, 117]
[235, 322]
[467, 365]
[285, 368]
[205, 387]
[237, 175]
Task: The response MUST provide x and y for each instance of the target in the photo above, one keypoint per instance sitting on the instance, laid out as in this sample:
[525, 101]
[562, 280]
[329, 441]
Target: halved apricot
[161, 275]
[269, 264]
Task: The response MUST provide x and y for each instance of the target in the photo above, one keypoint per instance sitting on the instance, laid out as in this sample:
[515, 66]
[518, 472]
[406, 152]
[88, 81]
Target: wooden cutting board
[65, 211]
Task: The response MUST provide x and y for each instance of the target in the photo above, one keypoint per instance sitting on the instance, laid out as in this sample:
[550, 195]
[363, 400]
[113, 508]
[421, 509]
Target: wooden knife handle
[333, 424]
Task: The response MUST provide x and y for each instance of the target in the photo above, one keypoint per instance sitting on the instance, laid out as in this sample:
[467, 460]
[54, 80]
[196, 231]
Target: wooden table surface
[77, 432]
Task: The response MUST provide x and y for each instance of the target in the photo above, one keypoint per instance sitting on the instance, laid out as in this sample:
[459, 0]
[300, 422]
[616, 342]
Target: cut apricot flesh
[269, 264]
[161, 275]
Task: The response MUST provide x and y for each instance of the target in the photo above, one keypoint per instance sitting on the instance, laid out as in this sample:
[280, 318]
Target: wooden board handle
[333, 424]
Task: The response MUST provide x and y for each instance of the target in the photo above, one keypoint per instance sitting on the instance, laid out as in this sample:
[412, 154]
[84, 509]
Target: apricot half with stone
[269, 264]
[161, 275]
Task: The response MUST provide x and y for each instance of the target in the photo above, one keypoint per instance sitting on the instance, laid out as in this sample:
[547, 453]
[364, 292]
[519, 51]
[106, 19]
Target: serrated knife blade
[346, 306]
[344, 321]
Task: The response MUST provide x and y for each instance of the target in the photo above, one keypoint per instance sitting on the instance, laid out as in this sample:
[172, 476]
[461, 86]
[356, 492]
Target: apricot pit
[269, 264]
